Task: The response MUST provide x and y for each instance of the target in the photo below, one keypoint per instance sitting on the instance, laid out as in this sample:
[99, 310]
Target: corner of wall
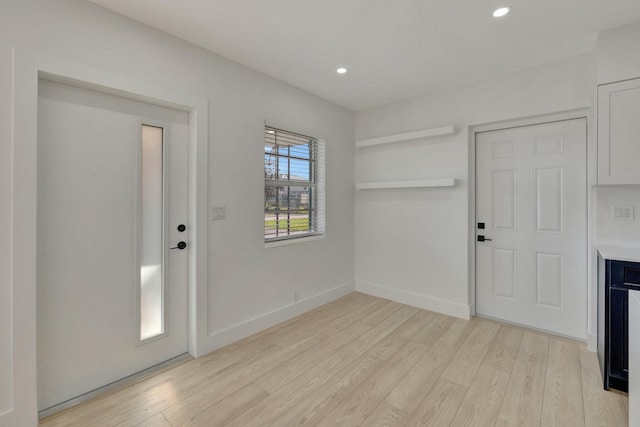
[592, 342]
[616, 53]
[219, 339]
[449, 308]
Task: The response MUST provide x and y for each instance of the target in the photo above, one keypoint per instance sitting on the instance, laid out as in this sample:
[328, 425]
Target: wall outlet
[622, 213]
[218, 213]
[294, 296]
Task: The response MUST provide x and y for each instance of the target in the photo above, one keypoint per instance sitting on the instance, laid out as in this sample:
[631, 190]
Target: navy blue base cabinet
[616, 278]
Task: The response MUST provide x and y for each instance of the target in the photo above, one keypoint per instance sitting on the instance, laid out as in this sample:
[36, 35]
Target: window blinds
[294, 191]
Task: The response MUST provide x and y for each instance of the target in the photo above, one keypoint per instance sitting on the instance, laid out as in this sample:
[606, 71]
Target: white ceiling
[394, 49]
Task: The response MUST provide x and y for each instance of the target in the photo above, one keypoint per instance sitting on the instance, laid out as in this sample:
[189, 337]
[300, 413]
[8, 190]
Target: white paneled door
[531, 212]
[112, 193]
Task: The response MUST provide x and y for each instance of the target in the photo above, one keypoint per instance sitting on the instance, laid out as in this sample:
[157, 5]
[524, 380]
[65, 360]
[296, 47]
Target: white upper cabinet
[619, 133]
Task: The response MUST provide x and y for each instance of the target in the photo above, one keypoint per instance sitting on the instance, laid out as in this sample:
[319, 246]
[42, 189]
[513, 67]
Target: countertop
[620, 253]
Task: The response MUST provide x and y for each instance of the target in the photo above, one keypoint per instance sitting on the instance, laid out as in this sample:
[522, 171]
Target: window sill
[286, 242]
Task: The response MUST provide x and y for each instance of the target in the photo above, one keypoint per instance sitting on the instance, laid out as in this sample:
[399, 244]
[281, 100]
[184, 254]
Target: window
[151, 237]
[293, 185]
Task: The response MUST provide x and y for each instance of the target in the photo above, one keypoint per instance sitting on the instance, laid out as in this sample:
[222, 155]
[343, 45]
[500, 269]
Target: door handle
[180, 245]
[483, 239]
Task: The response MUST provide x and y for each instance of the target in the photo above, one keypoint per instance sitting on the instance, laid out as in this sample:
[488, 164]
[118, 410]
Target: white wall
[6, 381]
[616, 232]
[246, 280]
[413, 244]
[618, 56]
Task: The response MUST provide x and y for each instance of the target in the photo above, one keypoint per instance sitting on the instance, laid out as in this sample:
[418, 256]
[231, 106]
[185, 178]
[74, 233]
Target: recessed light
[501, 11]
[341, 70]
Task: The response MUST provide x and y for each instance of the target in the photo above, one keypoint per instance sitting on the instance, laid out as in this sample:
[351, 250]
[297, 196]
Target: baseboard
[592, 342]
[219, 339]
[533, 328]
[421, 301]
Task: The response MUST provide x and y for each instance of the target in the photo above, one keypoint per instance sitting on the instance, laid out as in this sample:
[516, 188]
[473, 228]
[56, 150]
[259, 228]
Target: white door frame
[583, 113]
[28, 68]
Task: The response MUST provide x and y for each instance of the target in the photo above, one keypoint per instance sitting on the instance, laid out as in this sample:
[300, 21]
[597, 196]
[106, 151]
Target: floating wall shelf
[443, 182]
[427, 133]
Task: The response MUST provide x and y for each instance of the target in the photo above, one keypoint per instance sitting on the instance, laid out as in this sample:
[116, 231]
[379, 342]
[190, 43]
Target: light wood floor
[366, 361]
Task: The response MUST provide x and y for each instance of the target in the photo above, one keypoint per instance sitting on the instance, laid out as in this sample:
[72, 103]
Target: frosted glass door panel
[151, 271]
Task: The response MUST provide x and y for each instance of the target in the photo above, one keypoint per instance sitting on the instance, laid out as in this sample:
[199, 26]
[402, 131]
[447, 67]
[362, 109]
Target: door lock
[182, 227]
[180, 245]
[483, 239]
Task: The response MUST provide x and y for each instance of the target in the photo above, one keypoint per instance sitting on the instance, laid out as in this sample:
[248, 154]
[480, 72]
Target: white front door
[531, 198]
[112, 191]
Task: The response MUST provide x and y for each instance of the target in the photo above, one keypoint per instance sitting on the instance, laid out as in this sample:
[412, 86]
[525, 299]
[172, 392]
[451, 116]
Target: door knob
[483, 239]
[180, 245]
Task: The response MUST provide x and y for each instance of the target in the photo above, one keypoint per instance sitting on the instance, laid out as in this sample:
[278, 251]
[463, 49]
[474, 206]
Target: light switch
[622, 213]
[218, 213]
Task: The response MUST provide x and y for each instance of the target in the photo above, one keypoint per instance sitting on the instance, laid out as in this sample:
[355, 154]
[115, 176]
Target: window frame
[315, 186]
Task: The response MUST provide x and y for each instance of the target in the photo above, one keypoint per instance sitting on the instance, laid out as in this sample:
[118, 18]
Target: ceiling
[393, 49]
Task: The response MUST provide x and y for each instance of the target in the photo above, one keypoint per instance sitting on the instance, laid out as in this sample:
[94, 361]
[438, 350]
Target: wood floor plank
[385, 415]
[238, 350]
[448, 345]
[440, 405]
[600, 407]
[563, 402]
[318, 354]
[350, 352]
[326, 324]
[504, 349]
[362, 360]
[384, 327]
[356, 407]
[374, 319]
[219, 413]
[277, 404]
[525, 392]
[158, 392]
[619, 405]
[303, 326]
[158, 420]
[483, 400]
[353, 314]
[311, 357]
[330, 394]
[213, 391]
[117, 408]
[401, 335]
[468, 359]
[433, 329]
[415, 385]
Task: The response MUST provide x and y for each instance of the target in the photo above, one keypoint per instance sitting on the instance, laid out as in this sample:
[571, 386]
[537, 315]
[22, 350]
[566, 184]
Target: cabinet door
[618, 334]
[625, 274]
[619, 133]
